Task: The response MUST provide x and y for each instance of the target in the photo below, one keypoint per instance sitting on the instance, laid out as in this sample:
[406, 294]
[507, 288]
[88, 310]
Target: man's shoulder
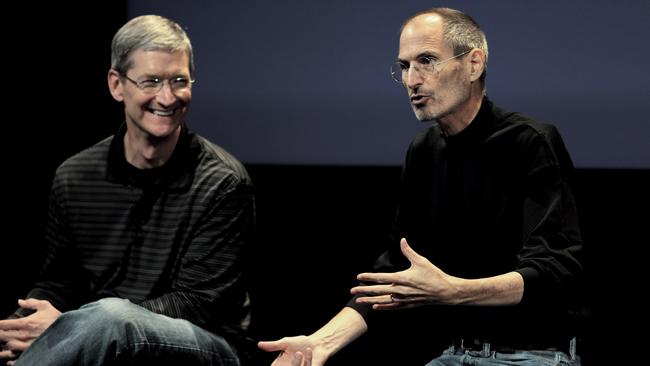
[538, 138]
[216, 161]
[87, 159]
[523, 123]
[86, 165]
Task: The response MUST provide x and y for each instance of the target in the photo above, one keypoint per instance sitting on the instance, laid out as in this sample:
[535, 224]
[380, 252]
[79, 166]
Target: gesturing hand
[18, 334]
[294, 351]
[422, 283]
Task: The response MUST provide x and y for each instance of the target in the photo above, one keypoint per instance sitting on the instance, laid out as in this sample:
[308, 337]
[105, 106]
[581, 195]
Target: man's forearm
[505, 289]
[342, 329]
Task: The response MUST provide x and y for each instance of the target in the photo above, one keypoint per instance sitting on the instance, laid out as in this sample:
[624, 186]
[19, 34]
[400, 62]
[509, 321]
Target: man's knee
[114, 307]
[106, 316]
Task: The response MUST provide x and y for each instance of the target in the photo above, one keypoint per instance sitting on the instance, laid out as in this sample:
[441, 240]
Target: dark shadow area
[613, 208]
[318, 226]
[58, 56]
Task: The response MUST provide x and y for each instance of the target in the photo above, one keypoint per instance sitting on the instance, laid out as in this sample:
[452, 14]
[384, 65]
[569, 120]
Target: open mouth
[418, 99]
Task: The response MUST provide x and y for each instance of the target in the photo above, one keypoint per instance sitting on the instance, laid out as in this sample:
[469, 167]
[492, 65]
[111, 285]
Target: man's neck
[454, 123]
[144, 152]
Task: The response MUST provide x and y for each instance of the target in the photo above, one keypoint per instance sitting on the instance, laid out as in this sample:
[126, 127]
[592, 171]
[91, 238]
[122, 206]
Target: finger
[391, 306]
[297, 359]
[384, 299]
[378, 277]
[17, 345]
[7, 335]
[308, 356]
[11, 324]
[406, 303]
[373, 290]
[4, 354]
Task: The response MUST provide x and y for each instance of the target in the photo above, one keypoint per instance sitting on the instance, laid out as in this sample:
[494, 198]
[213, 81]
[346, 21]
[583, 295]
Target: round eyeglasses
[155, 85]
[424, 65]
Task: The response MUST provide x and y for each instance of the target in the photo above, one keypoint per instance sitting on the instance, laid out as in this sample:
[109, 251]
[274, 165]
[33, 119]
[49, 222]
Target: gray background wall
[306, 82]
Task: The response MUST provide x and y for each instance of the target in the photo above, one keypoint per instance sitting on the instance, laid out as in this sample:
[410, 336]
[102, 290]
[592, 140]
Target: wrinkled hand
[421, 284]
[18, 334]
[295, 351]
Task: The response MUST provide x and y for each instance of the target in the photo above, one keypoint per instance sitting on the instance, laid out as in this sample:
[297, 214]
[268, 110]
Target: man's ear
[477, 63]
[115, 85]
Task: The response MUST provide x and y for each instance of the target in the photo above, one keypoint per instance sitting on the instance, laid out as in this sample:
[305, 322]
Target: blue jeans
[117, 332]
[454, 356]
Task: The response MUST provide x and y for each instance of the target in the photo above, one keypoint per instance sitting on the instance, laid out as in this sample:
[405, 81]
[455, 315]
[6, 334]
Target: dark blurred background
[322, 217]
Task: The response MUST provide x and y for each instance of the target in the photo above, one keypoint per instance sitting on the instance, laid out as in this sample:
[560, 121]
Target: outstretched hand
[421, 284]
[18, 334]
[294, 351]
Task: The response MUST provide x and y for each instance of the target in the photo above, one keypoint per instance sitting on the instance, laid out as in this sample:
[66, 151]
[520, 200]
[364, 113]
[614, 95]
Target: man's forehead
[425, 22]
[423, 33]
[423, 28]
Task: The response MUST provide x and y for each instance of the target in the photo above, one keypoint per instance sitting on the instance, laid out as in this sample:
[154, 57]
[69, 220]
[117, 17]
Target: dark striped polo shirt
[171, 239]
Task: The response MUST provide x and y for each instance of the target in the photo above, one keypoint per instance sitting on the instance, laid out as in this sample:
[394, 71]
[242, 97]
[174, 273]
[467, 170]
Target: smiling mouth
[166, 113]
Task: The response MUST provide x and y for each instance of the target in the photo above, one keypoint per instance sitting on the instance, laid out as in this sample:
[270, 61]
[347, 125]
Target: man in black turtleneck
[486, 237]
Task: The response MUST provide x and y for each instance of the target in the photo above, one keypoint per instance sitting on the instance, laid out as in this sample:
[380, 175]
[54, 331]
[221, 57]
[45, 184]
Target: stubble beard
[436, 109]
[423, 115]
[430, 112]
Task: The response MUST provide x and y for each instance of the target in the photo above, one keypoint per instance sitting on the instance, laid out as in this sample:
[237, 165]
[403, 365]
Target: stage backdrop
[307, 82]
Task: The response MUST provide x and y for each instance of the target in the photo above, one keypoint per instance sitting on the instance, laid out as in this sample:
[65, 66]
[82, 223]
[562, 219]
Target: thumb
[271, 346]
[33, 304]
[408, 252]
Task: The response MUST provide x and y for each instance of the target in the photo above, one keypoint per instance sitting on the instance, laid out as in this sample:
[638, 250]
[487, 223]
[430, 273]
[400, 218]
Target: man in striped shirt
[146, 230]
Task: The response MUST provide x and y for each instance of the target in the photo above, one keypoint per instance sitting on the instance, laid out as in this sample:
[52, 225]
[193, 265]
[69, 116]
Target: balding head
[459, 30]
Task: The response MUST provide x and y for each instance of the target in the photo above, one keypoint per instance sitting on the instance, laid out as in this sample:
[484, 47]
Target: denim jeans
[117, 332]
[460, 357]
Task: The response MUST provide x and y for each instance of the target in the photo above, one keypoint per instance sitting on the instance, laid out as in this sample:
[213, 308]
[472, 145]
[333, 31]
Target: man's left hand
[421, 284]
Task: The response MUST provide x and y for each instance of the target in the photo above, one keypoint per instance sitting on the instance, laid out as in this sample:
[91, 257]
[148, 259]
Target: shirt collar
[478, 129]
[177, 172]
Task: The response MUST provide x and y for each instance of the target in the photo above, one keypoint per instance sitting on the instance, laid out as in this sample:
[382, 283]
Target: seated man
[486, 240]
[146, 230]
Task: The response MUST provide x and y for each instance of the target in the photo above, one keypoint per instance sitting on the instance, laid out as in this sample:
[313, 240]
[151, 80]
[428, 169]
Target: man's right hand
[317, 348]
[295, 351]
[18, 334]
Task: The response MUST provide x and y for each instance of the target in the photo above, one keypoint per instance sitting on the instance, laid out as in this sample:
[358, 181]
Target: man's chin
[160, 132]
[423, 116]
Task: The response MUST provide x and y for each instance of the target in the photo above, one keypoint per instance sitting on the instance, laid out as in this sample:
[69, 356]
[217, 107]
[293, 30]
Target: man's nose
[166, 94]
[413, 77]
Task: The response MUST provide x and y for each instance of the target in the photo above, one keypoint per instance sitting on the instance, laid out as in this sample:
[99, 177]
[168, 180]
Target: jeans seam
[165, 345]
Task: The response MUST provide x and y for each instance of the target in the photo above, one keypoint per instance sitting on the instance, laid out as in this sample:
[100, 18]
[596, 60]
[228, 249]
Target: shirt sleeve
[208, 289]
[550, 258]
